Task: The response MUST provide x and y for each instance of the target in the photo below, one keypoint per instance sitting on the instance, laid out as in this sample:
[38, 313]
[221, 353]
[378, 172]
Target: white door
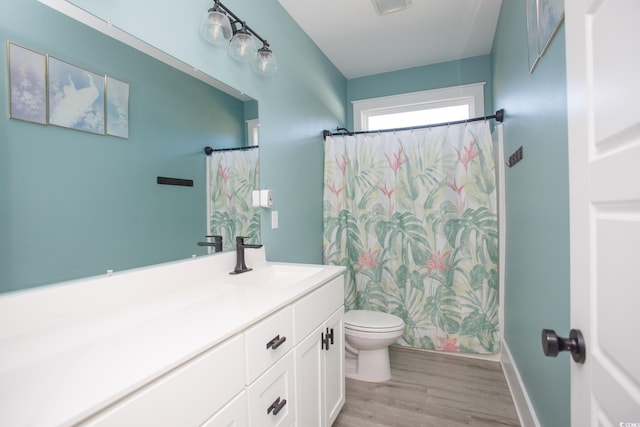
[603, 84]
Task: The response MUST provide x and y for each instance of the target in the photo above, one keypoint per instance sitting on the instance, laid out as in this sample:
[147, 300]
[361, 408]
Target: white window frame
[471, 95]
[253, 132]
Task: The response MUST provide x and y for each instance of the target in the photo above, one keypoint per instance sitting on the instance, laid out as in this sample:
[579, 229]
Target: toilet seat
[372, 321]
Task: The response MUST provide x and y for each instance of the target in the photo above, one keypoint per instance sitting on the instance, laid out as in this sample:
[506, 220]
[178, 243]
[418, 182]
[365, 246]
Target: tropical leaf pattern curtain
[233, 175]
[412, 215]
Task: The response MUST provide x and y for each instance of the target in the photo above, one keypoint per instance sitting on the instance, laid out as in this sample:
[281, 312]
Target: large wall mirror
[80, 204]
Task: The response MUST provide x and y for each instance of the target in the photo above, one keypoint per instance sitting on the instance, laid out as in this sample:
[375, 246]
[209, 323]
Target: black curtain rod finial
[208, 150]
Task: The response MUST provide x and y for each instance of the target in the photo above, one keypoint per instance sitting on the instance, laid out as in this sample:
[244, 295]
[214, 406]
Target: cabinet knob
[276, 342]
[276, 406]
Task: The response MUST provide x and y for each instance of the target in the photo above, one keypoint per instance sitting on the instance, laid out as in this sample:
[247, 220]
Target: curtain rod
[498, 116]
[208, 150]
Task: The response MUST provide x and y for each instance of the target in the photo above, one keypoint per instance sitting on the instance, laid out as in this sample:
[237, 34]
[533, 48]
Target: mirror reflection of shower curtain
[412, 215]
[231, 177]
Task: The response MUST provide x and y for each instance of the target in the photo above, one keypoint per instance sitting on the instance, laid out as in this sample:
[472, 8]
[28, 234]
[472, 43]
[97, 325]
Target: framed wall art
[543, 20]
[117, 108]
[27, 84]
[76, 97]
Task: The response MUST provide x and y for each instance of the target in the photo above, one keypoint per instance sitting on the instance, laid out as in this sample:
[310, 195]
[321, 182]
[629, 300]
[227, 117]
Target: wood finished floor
[431, 389]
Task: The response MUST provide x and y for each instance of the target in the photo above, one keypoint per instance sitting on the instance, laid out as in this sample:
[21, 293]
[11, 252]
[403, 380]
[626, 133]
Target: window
[419, 108]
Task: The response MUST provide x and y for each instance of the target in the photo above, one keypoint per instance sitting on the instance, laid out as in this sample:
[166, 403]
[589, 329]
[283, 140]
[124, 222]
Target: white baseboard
[524, 408]
[490, 357]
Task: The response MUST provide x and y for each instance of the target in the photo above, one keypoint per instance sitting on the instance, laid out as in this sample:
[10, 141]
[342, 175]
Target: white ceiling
[360, 42]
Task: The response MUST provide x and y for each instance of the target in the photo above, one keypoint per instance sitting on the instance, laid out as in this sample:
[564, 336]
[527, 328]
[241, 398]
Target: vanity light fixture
[220, 27]
[215, 27]
[242, 47]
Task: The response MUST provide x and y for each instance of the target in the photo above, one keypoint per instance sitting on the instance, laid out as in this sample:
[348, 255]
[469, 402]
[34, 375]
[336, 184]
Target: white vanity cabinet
[181, 344]
[319, 356]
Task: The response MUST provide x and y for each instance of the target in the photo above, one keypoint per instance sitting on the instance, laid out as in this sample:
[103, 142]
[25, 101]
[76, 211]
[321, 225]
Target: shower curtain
[231, 177]
[412, 215]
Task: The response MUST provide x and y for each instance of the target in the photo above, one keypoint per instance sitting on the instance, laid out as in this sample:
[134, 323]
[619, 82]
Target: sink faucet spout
[241, 266]
[217, 243]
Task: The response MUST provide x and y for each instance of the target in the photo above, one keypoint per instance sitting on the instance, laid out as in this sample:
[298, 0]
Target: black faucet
[241, 266]
[217, 243]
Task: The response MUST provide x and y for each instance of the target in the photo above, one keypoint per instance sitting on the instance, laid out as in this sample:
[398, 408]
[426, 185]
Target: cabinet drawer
[313, 309]
[268, 341]
[185, 397]
[233, 414]
[267, 396]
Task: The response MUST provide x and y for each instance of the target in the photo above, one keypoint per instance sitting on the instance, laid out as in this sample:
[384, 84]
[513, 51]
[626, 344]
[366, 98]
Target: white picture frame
[543, 20]
[27, 84]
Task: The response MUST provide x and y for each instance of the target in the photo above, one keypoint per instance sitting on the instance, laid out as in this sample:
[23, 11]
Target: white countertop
[69, 350]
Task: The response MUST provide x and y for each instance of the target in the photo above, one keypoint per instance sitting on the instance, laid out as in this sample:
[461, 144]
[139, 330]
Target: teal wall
[75, 204]
[303, 98]
[436, 76]
[54, 181]
[537, 191]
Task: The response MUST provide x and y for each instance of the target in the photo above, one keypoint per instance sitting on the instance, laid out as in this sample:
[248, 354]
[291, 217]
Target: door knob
[552, 344]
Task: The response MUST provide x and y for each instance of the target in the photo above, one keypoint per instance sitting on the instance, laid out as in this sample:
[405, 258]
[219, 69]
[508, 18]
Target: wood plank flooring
[431, 389]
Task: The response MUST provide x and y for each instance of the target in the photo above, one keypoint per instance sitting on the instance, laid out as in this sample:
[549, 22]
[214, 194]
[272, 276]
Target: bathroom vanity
[181, 343]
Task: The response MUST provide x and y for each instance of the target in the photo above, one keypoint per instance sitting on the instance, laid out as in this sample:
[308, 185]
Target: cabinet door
[309, 360]
[334, 368]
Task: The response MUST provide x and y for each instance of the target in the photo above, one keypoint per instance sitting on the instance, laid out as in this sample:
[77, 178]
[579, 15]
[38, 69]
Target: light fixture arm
[237, 20]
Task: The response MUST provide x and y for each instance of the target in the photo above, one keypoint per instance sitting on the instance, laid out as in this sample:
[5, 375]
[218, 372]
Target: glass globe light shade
[242, 47]
[215, 27]
[264, 63]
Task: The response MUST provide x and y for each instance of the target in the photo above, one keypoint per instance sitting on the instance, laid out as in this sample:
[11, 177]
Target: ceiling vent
[387, 6]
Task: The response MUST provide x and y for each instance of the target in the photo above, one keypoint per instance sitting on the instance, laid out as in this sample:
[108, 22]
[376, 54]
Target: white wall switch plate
[274, 220]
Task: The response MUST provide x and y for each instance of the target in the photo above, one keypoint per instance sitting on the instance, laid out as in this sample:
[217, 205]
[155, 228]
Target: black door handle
[552, 344]
[276, 406]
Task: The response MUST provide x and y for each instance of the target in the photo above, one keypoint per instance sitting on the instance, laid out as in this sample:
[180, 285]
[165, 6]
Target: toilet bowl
[368, 335]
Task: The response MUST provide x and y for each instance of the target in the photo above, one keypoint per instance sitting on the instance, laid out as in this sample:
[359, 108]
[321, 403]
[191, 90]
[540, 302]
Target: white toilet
[368, 335]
